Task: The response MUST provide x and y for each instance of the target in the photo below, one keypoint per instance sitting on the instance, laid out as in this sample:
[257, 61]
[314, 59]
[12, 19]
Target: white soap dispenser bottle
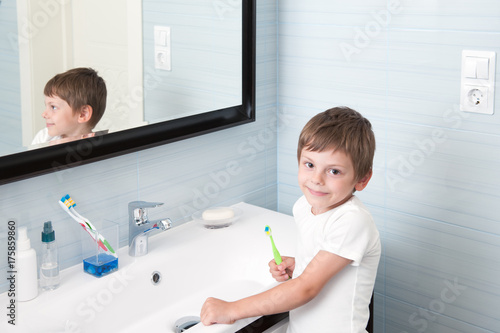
[27, 282]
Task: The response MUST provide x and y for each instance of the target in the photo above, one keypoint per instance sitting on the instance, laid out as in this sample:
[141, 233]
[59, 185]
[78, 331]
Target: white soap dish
[217, 217]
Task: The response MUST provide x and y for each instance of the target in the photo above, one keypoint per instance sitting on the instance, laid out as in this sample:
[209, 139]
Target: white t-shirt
[350, 232]
[43, 137]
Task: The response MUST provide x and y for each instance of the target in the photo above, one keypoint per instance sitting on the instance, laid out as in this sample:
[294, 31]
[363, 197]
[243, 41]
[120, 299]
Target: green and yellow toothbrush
[277, 256]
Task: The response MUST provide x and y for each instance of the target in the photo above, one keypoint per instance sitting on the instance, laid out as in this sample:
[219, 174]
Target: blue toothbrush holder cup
[99, 248]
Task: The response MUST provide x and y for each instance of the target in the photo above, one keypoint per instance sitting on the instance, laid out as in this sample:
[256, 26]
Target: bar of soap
[217, 214]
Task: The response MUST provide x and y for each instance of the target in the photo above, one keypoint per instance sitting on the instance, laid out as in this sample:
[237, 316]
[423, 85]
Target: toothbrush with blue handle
[277, 256]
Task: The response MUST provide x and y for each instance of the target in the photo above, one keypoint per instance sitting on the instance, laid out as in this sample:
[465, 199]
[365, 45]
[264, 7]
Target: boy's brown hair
[344, 129]
[80, 87]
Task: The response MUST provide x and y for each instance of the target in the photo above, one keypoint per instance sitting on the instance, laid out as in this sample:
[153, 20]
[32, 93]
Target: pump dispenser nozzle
[48, 234]
[23, 242]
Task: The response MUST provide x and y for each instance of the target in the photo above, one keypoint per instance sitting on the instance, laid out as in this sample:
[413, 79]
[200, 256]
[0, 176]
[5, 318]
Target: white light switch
[162, 38]
[470, 67]
[482, 68]
[477, 91]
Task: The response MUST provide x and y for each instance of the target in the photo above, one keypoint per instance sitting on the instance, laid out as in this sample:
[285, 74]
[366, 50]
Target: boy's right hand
[283, 271]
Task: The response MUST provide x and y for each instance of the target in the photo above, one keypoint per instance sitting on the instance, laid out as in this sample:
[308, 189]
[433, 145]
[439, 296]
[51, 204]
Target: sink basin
[194, 263]
[190, 306]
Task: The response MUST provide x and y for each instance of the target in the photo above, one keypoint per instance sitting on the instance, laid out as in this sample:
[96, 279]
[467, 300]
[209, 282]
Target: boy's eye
[334, 171]
[308, 165]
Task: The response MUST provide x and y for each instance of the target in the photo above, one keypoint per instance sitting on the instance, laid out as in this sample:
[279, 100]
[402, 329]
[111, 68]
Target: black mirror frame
[45, 160]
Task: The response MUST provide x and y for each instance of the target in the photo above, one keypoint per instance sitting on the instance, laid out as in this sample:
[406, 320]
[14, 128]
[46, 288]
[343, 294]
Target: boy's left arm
[284, 297]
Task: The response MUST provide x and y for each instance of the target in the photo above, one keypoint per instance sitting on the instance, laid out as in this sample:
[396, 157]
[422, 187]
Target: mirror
[166, 122]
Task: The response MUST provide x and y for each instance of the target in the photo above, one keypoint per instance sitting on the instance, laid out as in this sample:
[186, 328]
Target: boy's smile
[327, 179]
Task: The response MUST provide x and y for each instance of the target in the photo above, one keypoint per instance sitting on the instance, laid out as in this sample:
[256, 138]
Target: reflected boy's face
[60, 118]
[327, 179]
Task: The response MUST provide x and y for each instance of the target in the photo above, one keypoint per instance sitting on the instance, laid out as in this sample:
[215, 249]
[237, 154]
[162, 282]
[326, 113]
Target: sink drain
[185, 323]
[155, 278]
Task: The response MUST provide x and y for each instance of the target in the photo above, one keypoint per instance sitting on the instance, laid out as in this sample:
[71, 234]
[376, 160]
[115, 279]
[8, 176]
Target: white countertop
[194, 262]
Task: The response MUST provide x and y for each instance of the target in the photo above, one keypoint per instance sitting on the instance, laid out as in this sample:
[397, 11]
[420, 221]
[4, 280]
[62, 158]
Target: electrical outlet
[475, 99]
[162, 58]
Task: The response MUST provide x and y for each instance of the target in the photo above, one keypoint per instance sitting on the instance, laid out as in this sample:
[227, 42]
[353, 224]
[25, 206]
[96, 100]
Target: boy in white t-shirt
[74, 103]
[338, 247]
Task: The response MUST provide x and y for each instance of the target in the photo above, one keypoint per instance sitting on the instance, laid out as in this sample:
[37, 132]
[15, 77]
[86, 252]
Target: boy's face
[327, 179]
[60, 118]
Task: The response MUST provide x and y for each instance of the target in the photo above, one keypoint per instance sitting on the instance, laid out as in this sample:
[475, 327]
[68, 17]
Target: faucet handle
[165, 224]
[143, 204]
[138, 210]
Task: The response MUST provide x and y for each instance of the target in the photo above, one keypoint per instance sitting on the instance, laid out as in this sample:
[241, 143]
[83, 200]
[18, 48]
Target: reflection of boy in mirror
[74, 103]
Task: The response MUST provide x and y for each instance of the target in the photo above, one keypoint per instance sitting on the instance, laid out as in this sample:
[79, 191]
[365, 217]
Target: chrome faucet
[139, 226]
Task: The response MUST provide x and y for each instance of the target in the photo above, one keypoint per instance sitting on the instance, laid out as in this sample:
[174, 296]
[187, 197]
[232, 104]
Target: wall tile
[448, 15]
[425, 257]
[444, 174]
[402, 317]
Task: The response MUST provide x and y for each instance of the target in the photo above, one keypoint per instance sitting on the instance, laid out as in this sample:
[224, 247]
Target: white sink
[194, 263]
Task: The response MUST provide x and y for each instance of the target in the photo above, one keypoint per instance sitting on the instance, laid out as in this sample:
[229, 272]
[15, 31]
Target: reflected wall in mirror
[209, 86]
[124, 42]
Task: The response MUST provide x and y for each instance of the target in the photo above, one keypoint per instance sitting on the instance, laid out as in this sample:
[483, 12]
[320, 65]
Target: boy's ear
[361, 184]
[85, 114]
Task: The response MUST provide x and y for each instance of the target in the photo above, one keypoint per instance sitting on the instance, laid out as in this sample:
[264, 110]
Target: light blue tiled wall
[434, 193]
[10, 96]
[222, 168]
